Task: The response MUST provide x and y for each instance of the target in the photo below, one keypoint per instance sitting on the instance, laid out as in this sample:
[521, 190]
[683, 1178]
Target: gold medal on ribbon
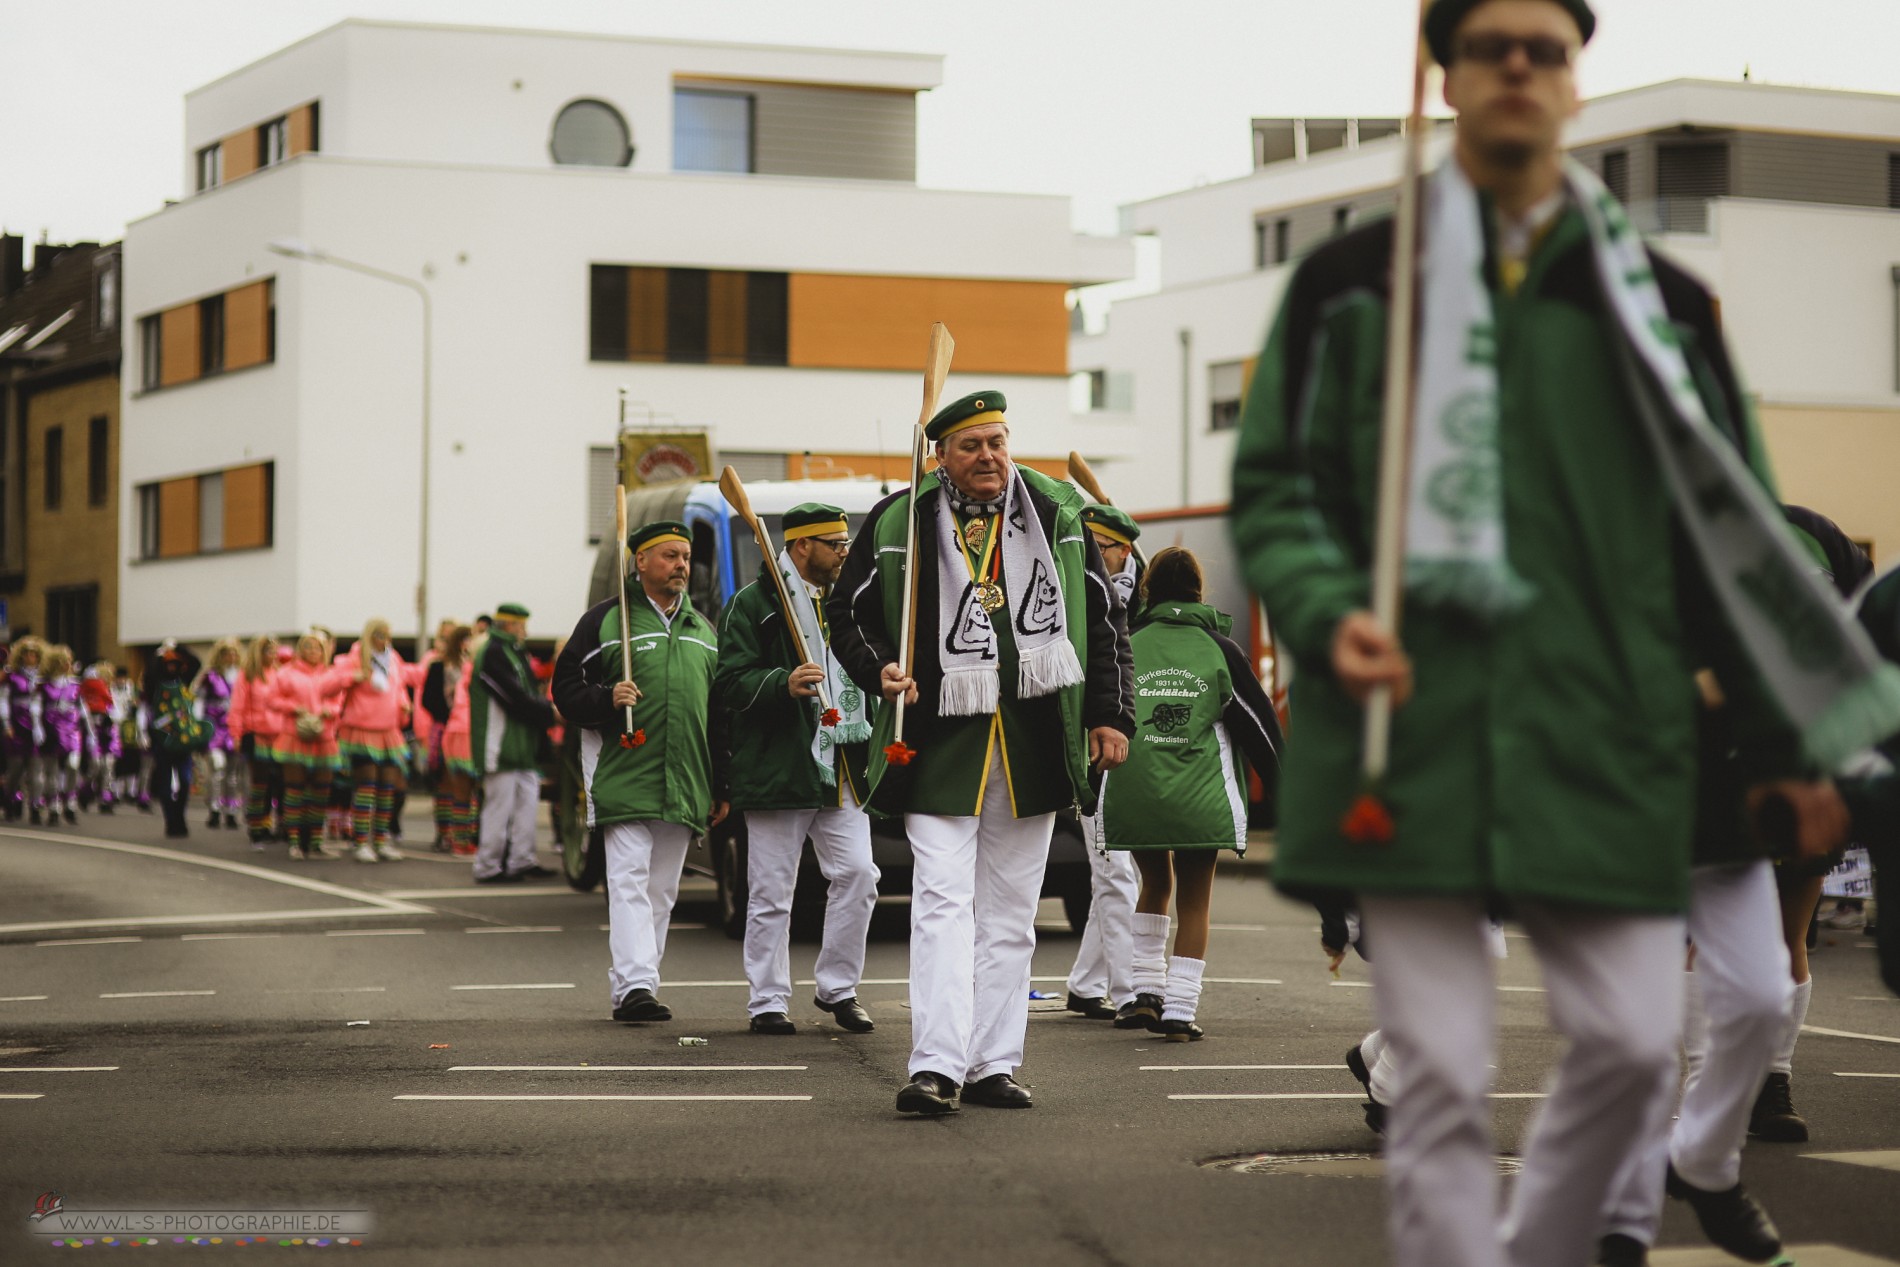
[975, 531]
[990, 595]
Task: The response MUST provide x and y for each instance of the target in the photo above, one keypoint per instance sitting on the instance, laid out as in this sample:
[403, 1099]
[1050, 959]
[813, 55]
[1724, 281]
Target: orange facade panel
[646, 314]
[303, 130]
[178, 518]
[247, 325]
[841, 321]
[246, 507]
[725, 318]
[178, 341]
[239, 152]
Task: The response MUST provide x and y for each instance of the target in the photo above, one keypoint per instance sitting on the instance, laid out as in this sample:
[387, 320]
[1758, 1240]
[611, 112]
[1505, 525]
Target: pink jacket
[457, 724]
[251, 711]
[309, 688]
[365, 707]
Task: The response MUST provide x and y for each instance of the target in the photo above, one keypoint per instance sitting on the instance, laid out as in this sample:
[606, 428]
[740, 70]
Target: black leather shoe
[849, 1014]
[1143, 1012]
[535, 872]
[1375, 1111]
[930, 1094]
[640, 1005]
[773, 1023]
[1618, 1250]
[1731, 1219]
[1773, 1118]
[998, 1091]
[1096, 1009]
[1179, 1031]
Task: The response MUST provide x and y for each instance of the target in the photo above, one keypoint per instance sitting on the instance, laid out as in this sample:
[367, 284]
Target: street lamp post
[315, 255]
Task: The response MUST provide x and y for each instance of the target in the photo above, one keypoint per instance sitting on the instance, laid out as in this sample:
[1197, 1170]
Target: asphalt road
[193, 1025]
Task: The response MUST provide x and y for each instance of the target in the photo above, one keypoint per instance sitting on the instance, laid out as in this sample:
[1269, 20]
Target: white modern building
[1786, 201]
[732, 234]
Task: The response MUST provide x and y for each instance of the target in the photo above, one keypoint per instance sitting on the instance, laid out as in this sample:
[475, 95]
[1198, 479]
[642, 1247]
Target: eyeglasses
[838, 544]
[1105, 545]
[1545, 52]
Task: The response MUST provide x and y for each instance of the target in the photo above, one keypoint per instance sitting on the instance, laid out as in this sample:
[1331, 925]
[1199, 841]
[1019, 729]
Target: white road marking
[376, 932]
[1242, 981]
[486, 890]
[706, 985]
[1837, 1075]
[1882, 1158]
[59, 1069]
[226, 936]
[16, 1095]
[601, 1097]
[159, 994]
[1238, 928]
[24, 998]
[549, 985]
[1876, 998]
[1522, 989]
[88, 941]
[624, 1068]
[1340, 1095]
[222, 917]
[1181, 1068]
[195, 860]
[1848, 1033]
[1352, 985]
[543, 928]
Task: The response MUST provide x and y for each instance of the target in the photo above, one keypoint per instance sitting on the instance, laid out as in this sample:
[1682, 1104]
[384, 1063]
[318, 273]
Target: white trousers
[841, 842]
[1741, 965]
[1105, 961]
[643, 878]
[976, 885]
[506, 843]
[1615, 992]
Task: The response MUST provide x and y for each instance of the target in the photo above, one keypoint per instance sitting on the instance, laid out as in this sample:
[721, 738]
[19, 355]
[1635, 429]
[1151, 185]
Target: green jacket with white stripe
[1198, 710]
[672, 765]
[507, 714]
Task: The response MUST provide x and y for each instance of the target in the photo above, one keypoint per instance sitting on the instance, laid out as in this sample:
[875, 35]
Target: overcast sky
[1105, 100]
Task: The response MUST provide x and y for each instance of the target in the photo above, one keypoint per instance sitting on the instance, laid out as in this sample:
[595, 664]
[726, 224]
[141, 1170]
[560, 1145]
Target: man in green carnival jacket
[656, 780]
[800, 732]
[508, 718]
[1021, 682]
[1547, 755]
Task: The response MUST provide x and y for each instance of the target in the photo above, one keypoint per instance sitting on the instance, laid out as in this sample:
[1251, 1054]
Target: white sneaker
[387, 851]
[365, 854]
[296, 854]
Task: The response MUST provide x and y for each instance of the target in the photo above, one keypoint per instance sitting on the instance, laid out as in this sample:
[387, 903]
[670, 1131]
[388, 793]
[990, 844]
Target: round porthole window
[590, 133]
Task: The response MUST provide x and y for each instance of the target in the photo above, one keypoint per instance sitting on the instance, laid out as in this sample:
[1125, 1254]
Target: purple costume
[64, 718]
[214, 698]
[23, 699]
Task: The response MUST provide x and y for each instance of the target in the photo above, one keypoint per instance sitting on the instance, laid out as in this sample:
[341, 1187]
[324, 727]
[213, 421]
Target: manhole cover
[1321, 1165]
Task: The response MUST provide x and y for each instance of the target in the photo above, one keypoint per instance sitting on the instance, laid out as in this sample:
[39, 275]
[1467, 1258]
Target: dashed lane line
[376, 932]
[538, 928]
[88, 941]
[59, 1069]
[159, 994]
[1850, 1075]
[543, 985]
[24, 998]
[695, 1098]
[21, 1095]
[226, 936]
[628, 1068]
[1847, 1033]
[1339, 1095]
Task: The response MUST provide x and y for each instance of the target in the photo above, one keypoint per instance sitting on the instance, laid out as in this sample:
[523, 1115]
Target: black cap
[1442, 20]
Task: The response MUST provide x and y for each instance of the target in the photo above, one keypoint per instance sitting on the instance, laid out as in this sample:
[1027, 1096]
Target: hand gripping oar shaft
[620, 571]
[936, 369]
[734, 490]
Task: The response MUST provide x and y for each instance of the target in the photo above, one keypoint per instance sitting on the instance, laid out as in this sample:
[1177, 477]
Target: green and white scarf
[854, 715]
[1816, 661]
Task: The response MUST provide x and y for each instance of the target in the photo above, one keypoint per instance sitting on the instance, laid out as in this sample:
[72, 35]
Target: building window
[603, 473]
[232, 509]
[211, 335]
[72, 618]
[1260, 257]
[1282, 241]
[105, 295]
[1616, 174]
[148, 521]
[151, 353]
[210, 167]
[1226, 384]
[687, 315]
[98, 460]
[273, 141]
[1342, 218]
[1688, 177]
[712, 131]
[1893, 181]
[55, 464]
[590, 134]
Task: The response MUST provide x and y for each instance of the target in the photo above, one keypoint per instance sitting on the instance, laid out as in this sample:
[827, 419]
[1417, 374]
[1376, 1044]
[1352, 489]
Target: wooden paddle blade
[733, 488]
[936, 368]
[1085, 478]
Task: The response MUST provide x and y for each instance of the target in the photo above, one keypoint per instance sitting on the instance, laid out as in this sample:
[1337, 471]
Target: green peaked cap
[656, 532]
[1111, 522]
[974, 410]
[811, 519]
[514, 610]
[1442, 19]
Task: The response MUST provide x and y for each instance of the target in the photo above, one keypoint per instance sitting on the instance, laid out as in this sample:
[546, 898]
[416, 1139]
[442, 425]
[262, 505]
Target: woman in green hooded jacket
[1182, 795]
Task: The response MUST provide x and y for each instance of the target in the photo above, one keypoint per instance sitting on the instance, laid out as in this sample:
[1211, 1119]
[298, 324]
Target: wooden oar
[936, 369]
[1369, 819]
[734, 489]
[626, 634]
